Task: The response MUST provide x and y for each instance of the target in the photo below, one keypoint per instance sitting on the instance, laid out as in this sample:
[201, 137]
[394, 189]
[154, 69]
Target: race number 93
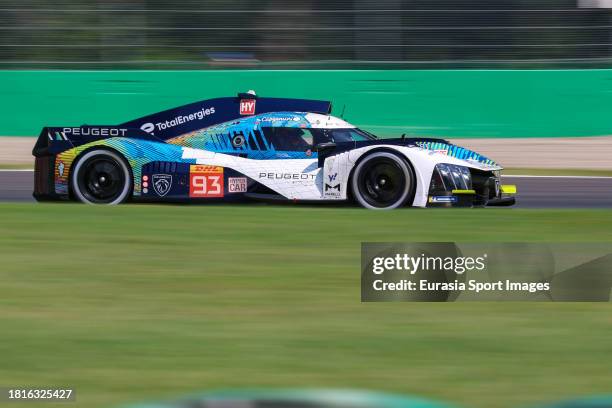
[205, 181]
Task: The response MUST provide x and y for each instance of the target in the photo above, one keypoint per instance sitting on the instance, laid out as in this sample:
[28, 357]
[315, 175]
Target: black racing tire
[383, 181]
[101, 177]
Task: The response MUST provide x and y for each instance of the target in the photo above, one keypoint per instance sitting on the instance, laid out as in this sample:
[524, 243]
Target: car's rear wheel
[101, 177]
[383, 181]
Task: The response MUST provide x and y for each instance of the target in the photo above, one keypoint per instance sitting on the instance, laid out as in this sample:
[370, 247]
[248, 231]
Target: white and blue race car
[249, 148]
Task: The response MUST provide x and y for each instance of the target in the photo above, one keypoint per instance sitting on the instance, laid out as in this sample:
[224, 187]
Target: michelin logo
[179, 120]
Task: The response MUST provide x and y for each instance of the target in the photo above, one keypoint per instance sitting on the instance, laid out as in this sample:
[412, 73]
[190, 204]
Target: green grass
[136, 302]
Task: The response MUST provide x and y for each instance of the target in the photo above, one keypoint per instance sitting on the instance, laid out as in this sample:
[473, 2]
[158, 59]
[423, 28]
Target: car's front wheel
[101, 177]
[383, 181]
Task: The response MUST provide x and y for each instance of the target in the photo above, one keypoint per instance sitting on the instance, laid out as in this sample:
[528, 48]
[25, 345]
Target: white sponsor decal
[279, 119]
[90, 131]
[443, 199]
[148, 127]
[179, 120]
[287, 176]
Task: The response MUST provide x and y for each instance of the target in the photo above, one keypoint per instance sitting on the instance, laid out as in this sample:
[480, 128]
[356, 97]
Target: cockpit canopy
[273, 135]
[292, 139]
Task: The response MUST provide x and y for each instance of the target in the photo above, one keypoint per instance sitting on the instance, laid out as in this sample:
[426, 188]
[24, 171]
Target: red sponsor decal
[205, 181]
[247, 107]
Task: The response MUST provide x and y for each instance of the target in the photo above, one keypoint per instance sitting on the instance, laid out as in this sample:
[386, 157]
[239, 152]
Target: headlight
[467, 177]
[450, 177]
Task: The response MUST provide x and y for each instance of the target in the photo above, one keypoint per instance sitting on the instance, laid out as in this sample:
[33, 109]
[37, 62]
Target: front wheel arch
[409, 200]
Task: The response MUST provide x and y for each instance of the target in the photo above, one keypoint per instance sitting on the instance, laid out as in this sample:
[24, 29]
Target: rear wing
[54, 140]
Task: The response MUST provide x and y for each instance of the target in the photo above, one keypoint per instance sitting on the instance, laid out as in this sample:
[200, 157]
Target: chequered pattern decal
[138, 152]
[457, 152]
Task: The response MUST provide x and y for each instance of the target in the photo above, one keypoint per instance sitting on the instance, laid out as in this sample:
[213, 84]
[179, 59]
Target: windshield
[343, 135]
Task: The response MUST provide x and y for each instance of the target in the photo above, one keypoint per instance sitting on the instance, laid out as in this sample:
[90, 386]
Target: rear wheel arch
[85, 155]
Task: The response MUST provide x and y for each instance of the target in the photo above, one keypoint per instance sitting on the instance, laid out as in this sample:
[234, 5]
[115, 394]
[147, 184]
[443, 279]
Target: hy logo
[148, 127]
[247, 107]
[332, 177]
[162, 183]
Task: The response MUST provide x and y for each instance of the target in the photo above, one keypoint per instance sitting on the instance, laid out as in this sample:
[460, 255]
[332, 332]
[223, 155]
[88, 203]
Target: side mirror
[323, 150]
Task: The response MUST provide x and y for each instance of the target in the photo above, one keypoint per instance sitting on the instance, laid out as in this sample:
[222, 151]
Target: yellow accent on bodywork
[508, 189]
[463, 192]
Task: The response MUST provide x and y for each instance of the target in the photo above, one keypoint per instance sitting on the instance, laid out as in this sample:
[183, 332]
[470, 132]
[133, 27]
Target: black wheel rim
[382, 182]
[101, 179]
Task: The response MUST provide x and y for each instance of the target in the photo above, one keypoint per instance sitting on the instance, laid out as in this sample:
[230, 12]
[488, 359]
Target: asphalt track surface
[533, 191]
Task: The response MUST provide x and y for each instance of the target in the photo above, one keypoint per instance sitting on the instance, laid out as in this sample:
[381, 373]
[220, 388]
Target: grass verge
[144, 302]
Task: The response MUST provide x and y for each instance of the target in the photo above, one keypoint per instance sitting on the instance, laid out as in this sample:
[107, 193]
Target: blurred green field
[137, 302]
